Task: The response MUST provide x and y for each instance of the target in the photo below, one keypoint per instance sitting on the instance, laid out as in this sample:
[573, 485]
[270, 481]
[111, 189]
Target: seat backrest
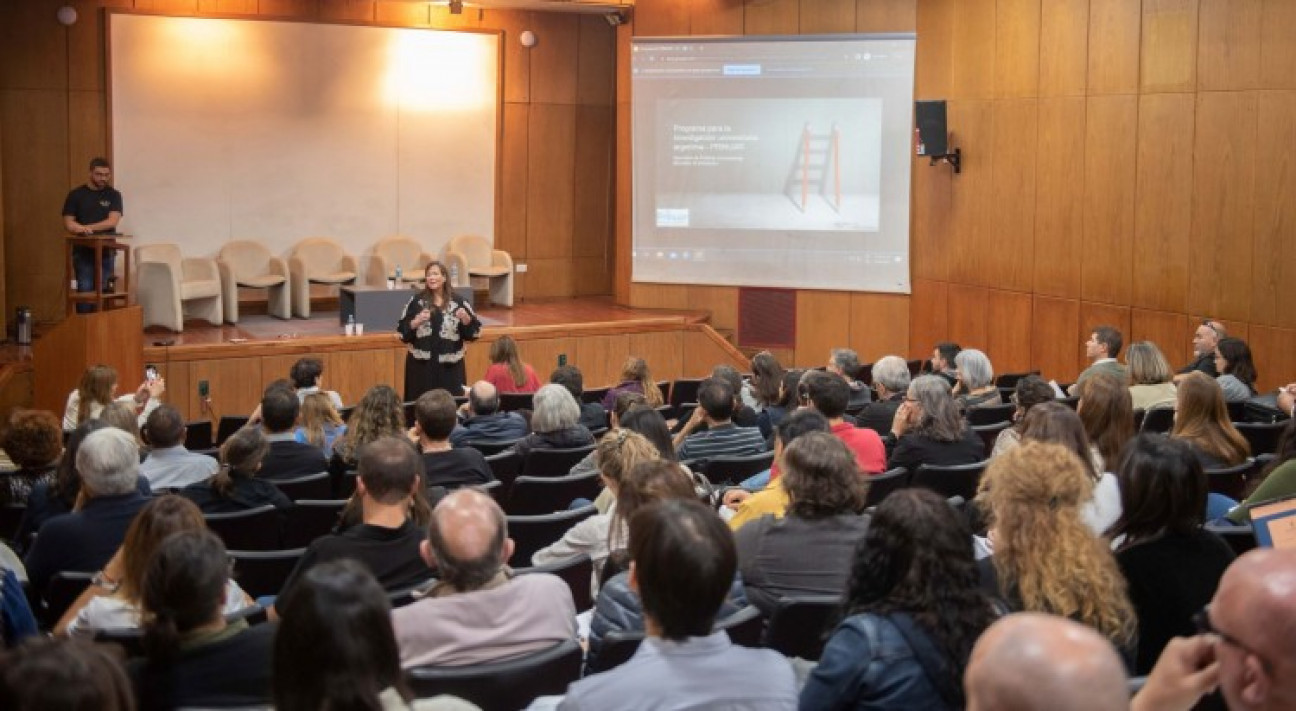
[10, 520]
[1240, 538]
[1262, 436]
[475, 249]
[733, 470]
[400, 251]
[229, 424]
[536, 495]
[63, 588]
[492, 447]
[531, 533]
[246, 259]
[510, 684]
[510, 402]
[744, 627]
[505, 466]
[1230, 481]
[252, 530]
[553, 462]
[319, 254]
[198, 435]
[309, 519]
[1158, 420]
[990, 433]
[684, 390]
[576, 572]
[311, 486]
[881, 485]
[958, 480]
[168, 254]
[264, 572]
[799, 626]
[991, 415]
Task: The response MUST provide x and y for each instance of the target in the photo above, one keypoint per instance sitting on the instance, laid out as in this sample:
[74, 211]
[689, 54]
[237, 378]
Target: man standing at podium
[92, 209]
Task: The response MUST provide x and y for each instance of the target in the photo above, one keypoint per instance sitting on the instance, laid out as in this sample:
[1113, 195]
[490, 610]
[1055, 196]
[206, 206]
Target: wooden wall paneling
[1064, 30]
[972, 52]
[1111, 124]
[404, 14]
[275, 367]
[771, 17]
[1169, 45]
[517, 59]
[345, 10]
[819, 17]
[1228, 46]
[550, 159]
[183, 7]
[440, 17]
[87, 133]
[721, 301]
[1011, 243]
[592, 193]
[886, 16]
[662, 350]
[1113, 46]
[661, 17]
[553, 58]
[1219, 266]
[596, 62]
[713, 17]
[476, 360]
[542, 354]
[1275, 211]
[822, 324]
[660, 296]
[550, 278]
[928, 316]
[972, 208]
[235, 384]
[591, 276]
[1017, 48]
[931, 220]
[179, 384]
[968, 311]
[85, 48]
[701, 355]
[33, 47]
[1277, 50]
[1163, 202]
[1008, 330]
[1054, 349]
[623, 200]
[879, 325]
[288, 8]
[515, 165]
[1094, 315]
[1059, 200]
[601, 357]
[352, 373]
[233, 7]
[1171, 332]
[932, 68]
[1274, 352]
[4, 306]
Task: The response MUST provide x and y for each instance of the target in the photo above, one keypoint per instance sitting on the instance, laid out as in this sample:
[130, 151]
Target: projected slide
[773, 161]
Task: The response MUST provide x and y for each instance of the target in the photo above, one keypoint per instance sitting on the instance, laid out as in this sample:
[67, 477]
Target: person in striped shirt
[722, 438]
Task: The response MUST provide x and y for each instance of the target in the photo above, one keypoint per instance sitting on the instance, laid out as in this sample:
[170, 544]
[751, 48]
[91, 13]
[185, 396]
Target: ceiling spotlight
[615, 18]
[456, 7]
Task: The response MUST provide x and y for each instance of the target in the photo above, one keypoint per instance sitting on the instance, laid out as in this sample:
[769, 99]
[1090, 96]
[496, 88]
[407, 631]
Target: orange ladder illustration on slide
[816, 153]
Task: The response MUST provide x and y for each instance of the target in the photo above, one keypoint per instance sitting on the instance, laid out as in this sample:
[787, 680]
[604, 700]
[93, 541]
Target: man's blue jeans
[83, 266]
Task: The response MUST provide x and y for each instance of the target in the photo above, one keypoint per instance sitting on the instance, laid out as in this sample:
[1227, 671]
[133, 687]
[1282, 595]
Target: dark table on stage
[378, 307]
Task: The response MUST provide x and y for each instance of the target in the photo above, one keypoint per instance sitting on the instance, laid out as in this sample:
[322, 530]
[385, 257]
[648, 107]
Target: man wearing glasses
[93, 209]
[1205, 338]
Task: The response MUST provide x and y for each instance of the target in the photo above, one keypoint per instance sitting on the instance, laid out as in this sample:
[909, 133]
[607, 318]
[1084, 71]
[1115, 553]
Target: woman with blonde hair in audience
[1202, 420]
[975, 387]
[1237, 372]
[1151, 378]
[1107, 411]
[507, 372]
[98, 389]
[33, 442]
[929, 429]
[1055, 423]
[555, 422]
[319, 423]
[635, 377]
[1029, 392]
[112, 601]
[1045, 558]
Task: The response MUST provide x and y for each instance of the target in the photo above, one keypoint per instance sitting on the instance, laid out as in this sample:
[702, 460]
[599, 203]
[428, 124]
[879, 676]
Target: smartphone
[562, 359]
[203, 389]
[150, 373]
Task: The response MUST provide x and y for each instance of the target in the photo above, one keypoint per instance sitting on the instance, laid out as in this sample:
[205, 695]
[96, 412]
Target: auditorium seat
[1262, 436]
[510, 684]
[61, 591]
[477, 264]
[262, 573]
[576, 572]
[198, 435]
[311, 486]
[955, 480]
[317, 260]
[1158, 420]
[249, 265]
[881, 486]
[553, 462]
[722, 471]
[799, 625]
[533, 495]
[392, 252]
[252, 530]
[1231, 481]
[309, 519]
[1009, 380]
[991, 414]
[531, 533]
[171, 287]
[990, 433]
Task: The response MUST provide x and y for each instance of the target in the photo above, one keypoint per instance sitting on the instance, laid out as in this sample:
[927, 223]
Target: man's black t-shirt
[88, 206]
[454, 468]
[391, 554]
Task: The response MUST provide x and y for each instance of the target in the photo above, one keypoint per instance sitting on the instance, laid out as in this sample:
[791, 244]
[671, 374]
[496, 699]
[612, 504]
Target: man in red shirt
[829, 394]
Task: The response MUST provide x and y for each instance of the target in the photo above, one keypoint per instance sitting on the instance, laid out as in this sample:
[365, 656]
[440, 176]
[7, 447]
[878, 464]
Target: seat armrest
[200, 269]
[349, 264]
[279, 266]
[500, 258]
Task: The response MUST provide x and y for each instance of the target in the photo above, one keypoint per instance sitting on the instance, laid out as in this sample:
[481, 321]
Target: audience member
[743, 415]
[1034, 662]
[444, 465]
[1171, 564]
[484, 421]
[1205, 339]
[320, 424]
[307, 377]
[844, 363]
[555, 423]
[1107, 411]
[478, 611]
[773, 498]
[1151, 381]
[17, 623]
[58, 496]
[593, 416]
[975, 387]
[379, 414]
[1202, 420]
[98, 388]
[890, 383]
[1237, 372]
[33, 442]
[507, 372]
[637, 417]
[825, 495]
[766, 382]
[722, 438]
[235, 486]
[1055, 423]
[928, 429]
[786, 404]
[913, 608]
[1287, 399]
[193, 657]
[682, 565]
[86, 538]
[123, 416]
[635, 377]
[170, 465]
[829, 395]
[286, 458]
[942, 362]
[63, 675]
[1045, 558]
[1102, 348]
[1277, 480]
[1029, 392]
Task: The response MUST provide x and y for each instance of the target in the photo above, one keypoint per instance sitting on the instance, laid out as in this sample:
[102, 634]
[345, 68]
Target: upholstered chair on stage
[250, 265]
[172, 287]
[317, 260]
[476, 264]
[395, 252]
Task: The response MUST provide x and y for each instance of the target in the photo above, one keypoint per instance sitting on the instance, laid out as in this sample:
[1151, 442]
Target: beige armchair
[478, 265]
[250, 265]
[392, 252]
[171, 287]
[317, 260]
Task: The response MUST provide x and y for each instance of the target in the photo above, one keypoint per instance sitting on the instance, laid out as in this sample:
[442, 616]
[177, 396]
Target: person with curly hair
[1202, 420]
[635, 377]
[913, 604]
[59, 495]
[1045, 558]
[380, 413]
[34, 442]
[1056, 423]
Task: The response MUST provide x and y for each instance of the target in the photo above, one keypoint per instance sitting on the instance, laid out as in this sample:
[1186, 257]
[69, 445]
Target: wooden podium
[117, 298]
[114, 337]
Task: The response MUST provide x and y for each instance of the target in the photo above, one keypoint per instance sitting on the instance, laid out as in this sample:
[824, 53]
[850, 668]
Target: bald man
[1031, 661]
[1205, 338]
[482, 419]
[478, 611]
[1248, 647]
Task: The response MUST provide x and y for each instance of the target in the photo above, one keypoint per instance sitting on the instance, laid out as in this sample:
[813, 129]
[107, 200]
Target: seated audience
[286, 458]
[335, 648]
[928, 429]
[1056, 423]
[763, 390]
[33, 442]
[1107, 411]
[829, 395]
[235, 486]
[112, 600]
[86, 538]
[507, 372]
[379, 414]
[786, 403]
[1102, 348]
[193, 657]
[844, 363]
[592, 414]
[170, 465]
[58, 496]
[913, 604]
[942, 362]
[478, 611]
[721, 438]
[320, 424]
[444, 465]
[825, 495]
[17, 623]
[975, 387]
[484, 421]
[1029, 392]
[1237, 372]
[635, 378]
[1171, 564]
[682, 563]
[743, 415]
[1034, 662]
[1034, 494]
[1202, 420]
[387, 540]
[98, 389]
[554, 423]
[307, 377]
[1205, 339]
[1151, 382]
[773, 498]
[63, 675]
[123, 417]
[1287, 399]
[1277, 480]
[890, 383]
[643, 423]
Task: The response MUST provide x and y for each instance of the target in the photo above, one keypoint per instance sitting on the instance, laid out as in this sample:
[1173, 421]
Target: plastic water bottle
[350, 325]
[454, 274]
[398, 274]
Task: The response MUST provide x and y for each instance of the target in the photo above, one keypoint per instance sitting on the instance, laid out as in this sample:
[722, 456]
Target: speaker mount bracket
[955, 159]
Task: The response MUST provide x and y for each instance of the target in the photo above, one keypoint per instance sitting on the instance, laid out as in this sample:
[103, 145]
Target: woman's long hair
[160, 518]
[447, 291]
[650, 423]
[504, 351]
[317, 413]
[1163, 490]
[96, 386]
[1056, 423]
[379, 413]
[915, 559]
[636, 369]
[1237, 360]
[940, 419]
[1202, 419]
[1107, 410]
[767, 378]
[1043, 548]
[335, 648]
[240, 458]
[184, 586]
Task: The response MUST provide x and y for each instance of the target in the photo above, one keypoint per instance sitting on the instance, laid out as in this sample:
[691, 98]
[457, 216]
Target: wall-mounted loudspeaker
[932, 135]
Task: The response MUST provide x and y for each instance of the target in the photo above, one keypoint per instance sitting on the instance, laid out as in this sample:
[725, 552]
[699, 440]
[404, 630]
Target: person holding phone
[435, 327]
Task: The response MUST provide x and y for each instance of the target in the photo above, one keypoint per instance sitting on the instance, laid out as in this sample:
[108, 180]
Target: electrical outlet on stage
[521, 269]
